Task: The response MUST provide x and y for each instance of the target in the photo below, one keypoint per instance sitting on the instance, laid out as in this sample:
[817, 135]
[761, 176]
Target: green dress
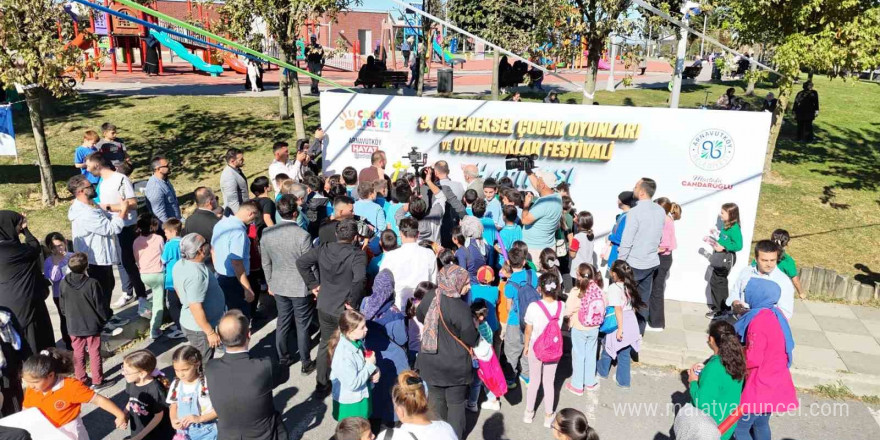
[716, 393]
[360, 409]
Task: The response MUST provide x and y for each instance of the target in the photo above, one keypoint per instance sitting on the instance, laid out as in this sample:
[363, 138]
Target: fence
[826, 282]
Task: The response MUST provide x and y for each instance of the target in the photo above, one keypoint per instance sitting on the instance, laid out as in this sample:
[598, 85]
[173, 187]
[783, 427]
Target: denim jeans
[645, 280]
[583, 357]
[749, 424]
[623, 366]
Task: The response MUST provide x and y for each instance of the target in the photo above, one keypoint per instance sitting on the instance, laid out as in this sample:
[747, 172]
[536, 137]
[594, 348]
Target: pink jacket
[148, 253]
[768, 387]
[667, 240]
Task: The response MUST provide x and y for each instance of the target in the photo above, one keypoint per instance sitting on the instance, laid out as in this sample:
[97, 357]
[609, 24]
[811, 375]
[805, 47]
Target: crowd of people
[432, 297]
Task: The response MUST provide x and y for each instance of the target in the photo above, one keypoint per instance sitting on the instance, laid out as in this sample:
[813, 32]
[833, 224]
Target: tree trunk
[283, 104]
[496, 58]
[47, 180]
[592, 74]
[750, 88]
[776, 127]
[296, 98]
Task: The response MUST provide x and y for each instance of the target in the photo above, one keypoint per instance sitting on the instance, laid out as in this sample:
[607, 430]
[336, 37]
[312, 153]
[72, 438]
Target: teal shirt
[542, 233]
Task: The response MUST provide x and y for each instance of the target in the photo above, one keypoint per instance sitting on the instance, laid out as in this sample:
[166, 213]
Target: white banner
[700, 159]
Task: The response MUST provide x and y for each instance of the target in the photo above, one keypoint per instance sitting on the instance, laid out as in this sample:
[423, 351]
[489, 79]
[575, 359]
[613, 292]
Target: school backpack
[592, 311]
[548, 346]
[526, 294]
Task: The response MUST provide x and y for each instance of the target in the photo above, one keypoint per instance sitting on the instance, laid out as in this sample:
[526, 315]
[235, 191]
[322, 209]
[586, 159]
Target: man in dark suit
[241, 386]
[202, 221]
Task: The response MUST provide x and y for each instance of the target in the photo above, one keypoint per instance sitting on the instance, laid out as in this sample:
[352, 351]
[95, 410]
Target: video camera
[416, 159]
[524, 162]
[365, 229]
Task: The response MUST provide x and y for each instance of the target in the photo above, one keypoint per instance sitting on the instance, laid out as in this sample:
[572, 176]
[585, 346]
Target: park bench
[380, 78]
[692, 72]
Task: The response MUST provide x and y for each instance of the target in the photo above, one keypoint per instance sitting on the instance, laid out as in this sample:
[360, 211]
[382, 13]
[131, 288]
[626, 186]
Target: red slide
[234, 63]
[80, 41]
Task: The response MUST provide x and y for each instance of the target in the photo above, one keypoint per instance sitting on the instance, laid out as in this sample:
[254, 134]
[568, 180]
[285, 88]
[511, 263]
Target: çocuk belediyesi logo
[370, 120]
[712, 149]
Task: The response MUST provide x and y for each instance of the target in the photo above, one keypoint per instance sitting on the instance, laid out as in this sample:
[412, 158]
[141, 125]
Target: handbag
[469, 350]
[722, 260]
[610, 323]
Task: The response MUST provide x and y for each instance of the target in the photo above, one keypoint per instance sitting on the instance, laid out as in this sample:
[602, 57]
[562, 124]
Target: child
[381, 188]
[148, 248]
[111, 148]
[60, 398]
[493, 205]
[539, 317]
[470, 196]
[513, 341]
[508, 234]
[549, 263]
[585, 308]
[413, 326]
[90, 139]
[388, 242]
[189, 403]
[474, 252]
[146, 389]
[786, 262]
[82, 301]
[480, 312]
[728, 243]
[623, 295]
[480, 212]
[354, 428]
[54, 269]
[581, 248]
[276, 184]
[350, 178]
[170, 257]
[571, 424]
[352, 371]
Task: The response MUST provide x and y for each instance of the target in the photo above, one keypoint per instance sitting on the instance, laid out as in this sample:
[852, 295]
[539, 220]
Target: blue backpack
[526, 294]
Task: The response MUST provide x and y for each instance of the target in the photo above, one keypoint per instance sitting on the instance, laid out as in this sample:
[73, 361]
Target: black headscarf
[9, 221]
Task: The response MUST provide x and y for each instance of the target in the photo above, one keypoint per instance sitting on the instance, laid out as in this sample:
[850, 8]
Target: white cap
[548, 177]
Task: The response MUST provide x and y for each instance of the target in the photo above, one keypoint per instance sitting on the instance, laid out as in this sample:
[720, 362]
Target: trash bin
[444, 81]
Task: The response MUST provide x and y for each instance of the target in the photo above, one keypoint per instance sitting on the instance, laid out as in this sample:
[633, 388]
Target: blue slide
[447, 57]
[182, 52]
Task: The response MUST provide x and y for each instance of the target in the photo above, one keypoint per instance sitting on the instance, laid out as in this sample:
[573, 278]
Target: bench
[692, 72]
[380, 78]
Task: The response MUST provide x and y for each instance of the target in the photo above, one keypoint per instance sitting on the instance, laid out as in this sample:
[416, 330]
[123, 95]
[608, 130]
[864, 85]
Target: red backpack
[548, 346]
[592, 311]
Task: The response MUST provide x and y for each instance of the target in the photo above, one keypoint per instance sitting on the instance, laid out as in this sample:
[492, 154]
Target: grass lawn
[825, 194]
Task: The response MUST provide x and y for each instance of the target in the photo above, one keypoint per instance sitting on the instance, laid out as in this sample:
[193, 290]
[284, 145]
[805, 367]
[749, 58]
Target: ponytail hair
[730, 350]
[409, 394]
[144, 360]
[574, 425]
[585, 223]
[51, 360]
[549, 285]
[193, 357]
[348, 321]
[624, 273]
[587, 273]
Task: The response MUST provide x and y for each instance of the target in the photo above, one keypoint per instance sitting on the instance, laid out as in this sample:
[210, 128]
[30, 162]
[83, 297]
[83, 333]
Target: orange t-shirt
[61, 405]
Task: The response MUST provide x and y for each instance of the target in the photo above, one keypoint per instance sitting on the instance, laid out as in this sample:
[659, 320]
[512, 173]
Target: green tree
[832, 36]
[34, 57]
[284, 20]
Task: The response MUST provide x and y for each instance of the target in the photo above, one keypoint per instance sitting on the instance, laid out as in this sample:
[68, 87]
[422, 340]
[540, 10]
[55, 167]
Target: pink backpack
[592, 311]
[548, 346]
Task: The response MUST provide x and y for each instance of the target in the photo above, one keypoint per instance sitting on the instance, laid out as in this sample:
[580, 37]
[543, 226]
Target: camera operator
[540, 217]
[454, 191]
[429, 214]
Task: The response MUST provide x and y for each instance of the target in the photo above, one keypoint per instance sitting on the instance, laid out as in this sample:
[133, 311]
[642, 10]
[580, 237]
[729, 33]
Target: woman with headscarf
[768, 386]
[151, 62]
[448, 337]
[23, 289]
[474, 252]
[386, 336]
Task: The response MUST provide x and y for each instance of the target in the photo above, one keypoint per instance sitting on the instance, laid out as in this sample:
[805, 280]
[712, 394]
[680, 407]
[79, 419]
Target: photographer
[341, 268]
[429, 216]
[540, 217]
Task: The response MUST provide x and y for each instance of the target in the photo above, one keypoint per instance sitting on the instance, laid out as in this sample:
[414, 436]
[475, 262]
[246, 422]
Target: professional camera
[520, 162]
[416, 159]
[365, 229]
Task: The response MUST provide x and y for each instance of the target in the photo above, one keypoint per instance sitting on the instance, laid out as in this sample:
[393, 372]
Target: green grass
[825, 194]
[839, 391]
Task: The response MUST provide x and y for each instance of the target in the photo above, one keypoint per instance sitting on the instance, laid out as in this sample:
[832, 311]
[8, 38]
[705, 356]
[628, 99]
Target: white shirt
[114, 190]
[786, 298]
[437, 430]
[615, 295]
[538, 320]
[410, 264]
[292, 168]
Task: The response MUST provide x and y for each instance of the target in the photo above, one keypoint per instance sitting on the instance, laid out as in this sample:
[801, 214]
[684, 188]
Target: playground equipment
[182, 52]
[448, 58]
[234, 63]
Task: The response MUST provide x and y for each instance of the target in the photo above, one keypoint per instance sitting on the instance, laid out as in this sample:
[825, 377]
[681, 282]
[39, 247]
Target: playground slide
[447, 57]
[234, 62]
[182, 52]
[80, 41]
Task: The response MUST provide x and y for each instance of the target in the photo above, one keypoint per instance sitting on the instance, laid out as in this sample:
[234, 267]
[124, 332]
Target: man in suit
[203, 220]
[280, 247]
[233, 184]
[241, 386]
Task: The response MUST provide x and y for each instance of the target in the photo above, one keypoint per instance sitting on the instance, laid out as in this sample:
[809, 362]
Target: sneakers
[573, 390]
[103, 385]
[653, 329]
[528, 416]
[144, 308]
[123, 300]
[524, 379]
[548, 420]
[116, 321]
[111, 331]
[593, 387]
[710, 314]
[175, 334]
[492, 405]
[472, 407]
[511, 384]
